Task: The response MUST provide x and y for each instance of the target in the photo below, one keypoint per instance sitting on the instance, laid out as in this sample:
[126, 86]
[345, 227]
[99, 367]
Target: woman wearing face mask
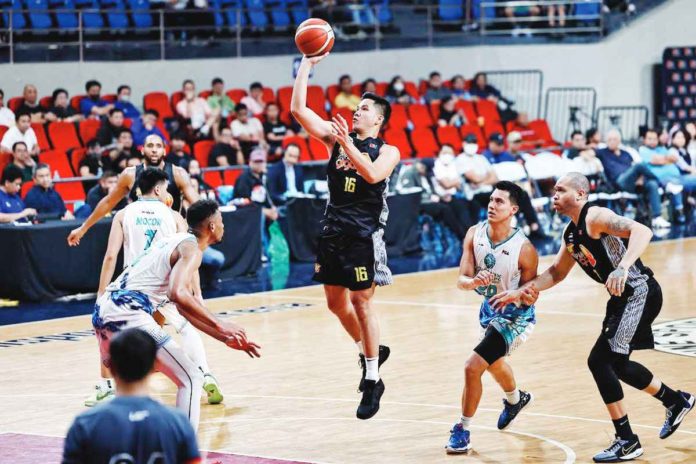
[396, 92]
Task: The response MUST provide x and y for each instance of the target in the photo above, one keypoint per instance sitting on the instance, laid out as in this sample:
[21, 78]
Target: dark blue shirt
[136, 428]
[129, 111]
[86, 105]
[10, 204]
[500, 158]
[45, 201]
[614, 165]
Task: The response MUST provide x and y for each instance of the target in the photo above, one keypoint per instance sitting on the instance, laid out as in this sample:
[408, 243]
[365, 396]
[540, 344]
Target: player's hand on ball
[313, 60]
[617, 281]
[339, 128]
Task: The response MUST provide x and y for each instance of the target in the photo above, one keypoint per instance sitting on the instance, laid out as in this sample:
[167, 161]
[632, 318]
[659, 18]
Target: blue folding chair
[279, 13]
[232, 7]
[219, 19]
[66, 18]
[450, 10]
[257, 15]
[299, 10]
[38, 14]
[91, 18]
[142, 19]
[587, 11]
[116, 15]
[485, 12]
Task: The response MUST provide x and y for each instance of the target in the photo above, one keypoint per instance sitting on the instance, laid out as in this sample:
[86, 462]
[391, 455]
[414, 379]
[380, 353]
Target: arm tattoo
[619, 224]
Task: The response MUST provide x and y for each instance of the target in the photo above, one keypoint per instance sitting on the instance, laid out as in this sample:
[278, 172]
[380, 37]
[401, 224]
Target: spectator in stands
[686, 162]
[12, 207]
[625, 175]
[449, 114]
[115, 158]
[345, 97]
[481, 90]
[513, 12]
[196, 112]
[448, 180]
[514, 140]
[30, 104]
[496, 153]
[459, 88]
[527, 132]
[123, 103]
[226, 151]
[107, 183]
[111, 128]
[20, 132]
[23, 160]
[396, 92]
[624, 6]
[61, 109]
[436, 90]
[254, 101]
[44, 198]
[251, 184]
[690, 128]
[91, 164]
[275, 131]
[286, 179]
[247, 130]
[593, 138]
[177, 153]
[219, 101]
[556, 10]
[93, 106]
[134, 161]
[199, 184]
[369, 85]
[147, 128]
[7, 116]
[583, 155]
[132, 427]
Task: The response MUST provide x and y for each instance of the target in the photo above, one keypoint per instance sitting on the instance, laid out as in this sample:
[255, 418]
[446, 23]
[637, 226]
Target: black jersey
[599, 257]
[172, 188]
[355, 206]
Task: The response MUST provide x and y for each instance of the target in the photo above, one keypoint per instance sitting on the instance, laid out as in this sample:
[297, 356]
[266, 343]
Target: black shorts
[628, 322]
[352, 262]
[492, 346]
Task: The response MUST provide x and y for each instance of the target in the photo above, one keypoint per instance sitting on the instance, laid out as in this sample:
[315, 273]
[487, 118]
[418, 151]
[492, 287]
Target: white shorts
[173, 317]
[518, 340]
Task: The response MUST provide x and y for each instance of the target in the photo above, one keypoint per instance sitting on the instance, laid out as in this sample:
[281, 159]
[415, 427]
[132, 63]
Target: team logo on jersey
[343, 163]
[489, 261]
[676, 337]
[317, 268]
[584, 257]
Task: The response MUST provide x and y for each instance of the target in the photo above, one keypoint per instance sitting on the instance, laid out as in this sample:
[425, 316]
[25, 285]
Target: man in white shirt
[248, 130]
[21, 132]
[449, 181]
[7, 116]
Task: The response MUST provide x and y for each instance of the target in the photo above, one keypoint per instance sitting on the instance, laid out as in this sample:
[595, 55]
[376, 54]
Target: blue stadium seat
[66, 18]
[18, 19]
[450, 10]
[381, 10]
[142, 19]
[257, 15]
[589, 10]
[477, 11]
[116, 16]
[38, 14]
[219, 19]
[279, 13]
[299, 10]
[231, 7]
[91, 19]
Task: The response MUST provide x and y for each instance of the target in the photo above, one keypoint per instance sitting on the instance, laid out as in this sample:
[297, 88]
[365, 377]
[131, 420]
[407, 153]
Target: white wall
[619, 68]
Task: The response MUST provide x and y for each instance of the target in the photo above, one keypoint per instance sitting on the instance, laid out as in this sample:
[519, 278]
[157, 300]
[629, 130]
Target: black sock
[623, 427]
[669, 397]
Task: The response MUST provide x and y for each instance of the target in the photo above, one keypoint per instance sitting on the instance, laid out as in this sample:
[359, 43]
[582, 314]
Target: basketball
[170, 200]
[314, 37]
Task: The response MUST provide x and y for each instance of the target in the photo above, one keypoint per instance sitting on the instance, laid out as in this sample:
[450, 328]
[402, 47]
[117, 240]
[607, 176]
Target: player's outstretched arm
[467, 266]
[105, 205]
[112, 249]
[312, 123]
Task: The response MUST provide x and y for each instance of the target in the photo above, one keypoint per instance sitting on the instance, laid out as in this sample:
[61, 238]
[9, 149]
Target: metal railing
[522, 87]
[569, 109]
[626, 119]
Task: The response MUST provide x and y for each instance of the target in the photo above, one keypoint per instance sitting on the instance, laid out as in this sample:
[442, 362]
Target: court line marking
[570, 454]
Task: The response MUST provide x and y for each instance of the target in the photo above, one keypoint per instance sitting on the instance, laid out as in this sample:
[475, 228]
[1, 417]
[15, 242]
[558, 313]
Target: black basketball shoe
[369, 405]
[383, 356]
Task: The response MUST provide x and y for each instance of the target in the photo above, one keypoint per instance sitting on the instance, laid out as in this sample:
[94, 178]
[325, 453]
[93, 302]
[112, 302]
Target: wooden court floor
[298, 401]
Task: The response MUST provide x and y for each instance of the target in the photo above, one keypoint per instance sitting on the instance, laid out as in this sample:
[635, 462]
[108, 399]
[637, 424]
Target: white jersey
[501, 259]
[145, 222]
[147, 276]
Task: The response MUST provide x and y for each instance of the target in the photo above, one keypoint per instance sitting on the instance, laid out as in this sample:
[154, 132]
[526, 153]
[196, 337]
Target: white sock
[360, 347]
[513, 397]
[372, 371]
[466, 422]
[192, 344]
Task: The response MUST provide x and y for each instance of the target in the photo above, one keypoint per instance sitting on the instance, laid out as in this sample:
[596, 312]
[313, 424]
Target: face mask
[446, 158]
[470, 148]
[125, 98]
[399, 87]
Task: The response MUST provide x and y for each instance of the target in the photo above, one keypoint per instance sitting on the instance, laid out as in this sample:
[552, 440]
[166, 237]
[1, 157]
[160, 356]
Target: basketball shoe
[369, 405]
[460, 441]
[675, 414]
[212, 389]
[103, 391]
[510, 411]
[383, 356]
[620, 449]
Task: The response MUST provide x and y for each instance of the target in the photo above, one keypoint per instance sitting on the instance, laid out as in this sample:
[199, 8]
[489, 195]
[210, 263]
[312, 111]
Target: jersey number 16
[349, 185]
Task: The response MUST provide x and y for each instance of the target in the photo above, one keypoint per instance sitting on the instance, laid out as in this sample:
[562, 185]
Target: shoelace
[615, 445]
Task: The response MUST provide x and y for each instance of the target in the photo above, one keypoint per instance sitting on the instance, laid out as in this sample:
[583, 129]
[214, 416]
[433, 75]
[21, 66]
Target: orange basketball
[314, 37]
[169, 200]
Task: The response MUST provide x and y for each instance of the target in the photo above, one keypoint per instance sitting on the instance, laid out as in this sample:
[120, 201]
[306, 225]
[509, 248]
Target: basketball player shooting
[352, 258]
[608, 248]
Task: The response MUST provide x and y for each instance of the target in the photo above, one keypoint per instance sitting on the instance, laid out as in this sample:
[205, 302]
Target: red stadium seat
[76, 156]
[302, 143]
[269, 95]
[89, 129]
[70, 191]
[419, 115]
[424, 142]
[63, 135]
[399, 118]
[41, 136]
[5, 159]
[46, 102]
[158, 101]
[475, 130]
[58, 161]
[411, 89]
[26, 186]
[332, 91]
[230, 175]
[176, 98]
[347, 115]
[449, 135]
[318, 149]
[469, 110]
[236, 94]
[213, 178]
[110, 97]
[491, 127]
[75, 102]
[542, 130]
[204, 94]
[201, 151]
[14, 103]
[399, 139]
[316, 100]
[422, 86]
[284, 97]
[488, 110]
[3, 129]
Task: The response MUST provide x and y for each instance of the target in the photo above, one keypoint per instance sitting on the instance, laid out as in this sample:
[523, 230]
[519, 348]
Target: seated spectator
[12, 207]
[44, 198]
[593, 138]
[251, 184]
[247, 130]
[459, 88]
[396, 92]
[624, 6]
[481, 90]
[686, 162]
[529, 135]
[31, 105]
[449, 114]
[134, 161]
[91, 164]
[512, 12]
[368, 85]
[436, 91]
[219, 101]
[132, 427]
[625, 175]
[448, 180]
[514, 140]
[690, 128]
[226, 151]
[111, 128]
[254, 101]
[199, 117]
[61, 109]
[116, 157]
[23, 160]
[147, 128]
[556, 10]
[20, 132]
[286, 178]
[107, 183]
[584, 156]
[199, 185]
[496, 153]
[7, 116]
[177, 154]
[664, 138]
[123, 103]
[346, 98]
[93, 106]
[275, 131]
